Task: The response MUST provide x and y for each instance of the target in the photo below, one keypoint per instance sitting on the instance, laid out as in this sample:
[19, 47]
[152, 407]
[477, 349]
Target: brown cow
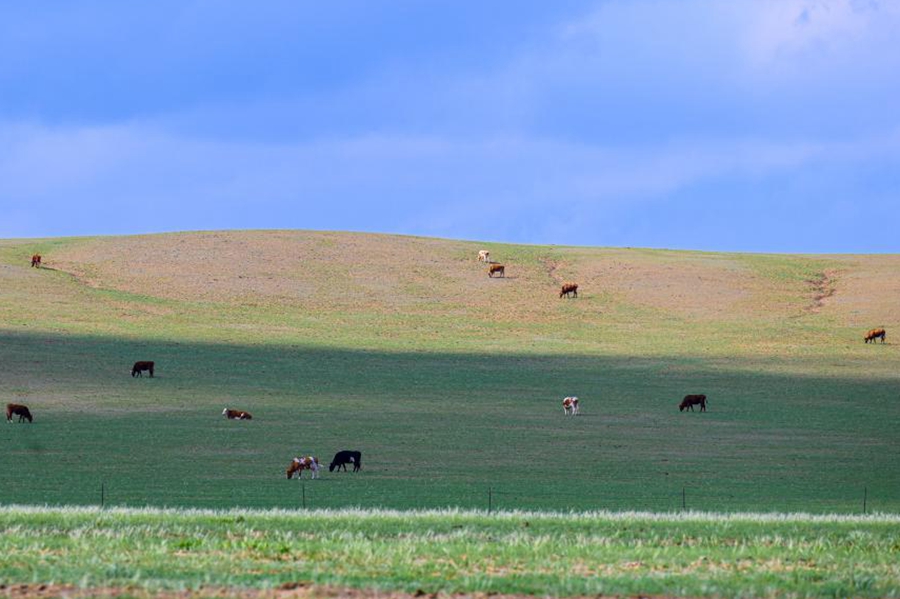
[568, 288]
[140, 367]
[690, 401]
[298, 465]
[14, 409]
[875, 334]
[36, 260]
[236, 414]
[497, 268]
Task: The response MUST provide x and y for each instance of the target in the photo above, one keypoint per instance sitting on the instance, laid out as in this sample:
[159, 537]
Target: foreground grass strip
[692, 554]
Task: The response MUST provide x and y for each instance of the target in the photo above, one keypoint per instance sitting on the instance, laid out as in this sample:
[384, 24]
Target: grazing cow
[690, 401]
[35, 260]
[497, 268]
[570, 406]
[140, 367]
[568, 288]
[342, 458]
[875, 334]
[15, 409]
[298, 465]
[484, 256]
[236, 414]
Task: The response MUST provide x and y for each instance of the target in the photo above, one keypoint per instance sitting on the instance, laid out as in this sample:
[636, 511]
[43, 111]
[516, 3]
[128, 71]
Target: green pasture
[438, 429]
[546, 554]
[449, 407]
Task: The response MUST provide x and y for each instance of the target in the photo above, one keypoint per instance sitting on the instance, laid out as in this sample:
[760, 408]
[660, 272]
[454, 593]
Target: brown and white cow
[236, 414]
[570, 406]
[36, 260]
[484, 256]
[568, 288]
[298, 465]
[15, 409]
[497, 269]
[875, 334]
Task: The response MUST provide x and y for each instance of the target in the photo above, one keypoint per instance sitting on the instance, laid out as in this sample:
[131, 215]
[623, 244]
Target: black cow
[140, 367]
[342, 458]
[690, 401]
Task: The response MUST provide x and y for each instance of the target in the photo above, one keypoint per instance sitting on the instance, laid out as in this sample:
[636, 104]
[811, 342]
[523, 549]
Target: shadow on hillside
[419, 412]
[54, 360]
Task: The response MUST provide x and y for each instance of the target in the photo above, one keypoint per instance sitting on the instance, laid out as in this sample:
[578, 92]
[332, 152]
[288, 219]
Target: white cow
[570, 406]
[484, 256]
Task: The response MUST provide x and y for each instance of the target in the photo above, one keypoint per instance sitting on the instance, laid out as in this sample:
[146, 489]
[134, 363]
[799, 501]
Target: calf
[690, 401]
[498, 269]
[236, 414]
[36, 261]
[484, 256]
[15, 409]
[342, 458]
[875, 334]
[140, 367]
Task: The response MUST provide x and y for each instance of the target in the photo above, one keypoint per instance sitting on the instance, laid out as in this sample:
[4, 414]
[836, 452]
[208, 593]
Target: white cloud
[744, 35]
[777, 30]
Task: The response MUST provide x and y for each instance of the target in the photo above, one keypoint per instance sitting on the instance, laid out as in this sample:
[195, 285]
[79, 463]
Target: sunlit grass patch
[690, 554]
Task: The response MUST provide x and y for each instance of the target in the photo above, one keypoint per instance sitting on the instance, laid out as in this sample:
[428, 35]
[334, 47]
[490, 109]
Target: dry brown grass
[296, 590]
[340, 271]
[301, 285]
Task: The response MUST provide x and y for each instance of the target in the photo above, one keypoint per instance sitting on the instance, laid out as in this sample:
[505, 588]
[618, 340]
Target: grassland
[448, 381]
[136, 551]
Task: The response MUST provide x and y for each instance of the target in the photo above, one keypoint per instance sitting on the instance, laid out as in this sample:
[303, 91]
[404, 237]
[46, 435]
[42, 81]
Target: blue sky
[749, 125]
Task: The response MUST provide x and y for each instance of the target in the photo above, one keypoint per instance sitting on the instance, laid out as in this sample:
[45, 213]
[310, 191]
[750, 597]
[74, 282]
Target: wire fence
[489, 497]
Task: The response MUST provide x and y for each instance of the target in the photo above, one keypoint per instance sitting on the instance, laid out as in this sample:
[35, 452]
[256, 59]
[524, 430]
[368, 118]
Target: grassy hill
[448, 381]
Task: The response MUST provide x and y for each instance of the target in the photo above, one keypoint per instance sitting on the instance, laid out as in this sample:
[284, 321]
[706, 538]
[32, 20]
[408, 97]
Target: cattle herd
[342, 458]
